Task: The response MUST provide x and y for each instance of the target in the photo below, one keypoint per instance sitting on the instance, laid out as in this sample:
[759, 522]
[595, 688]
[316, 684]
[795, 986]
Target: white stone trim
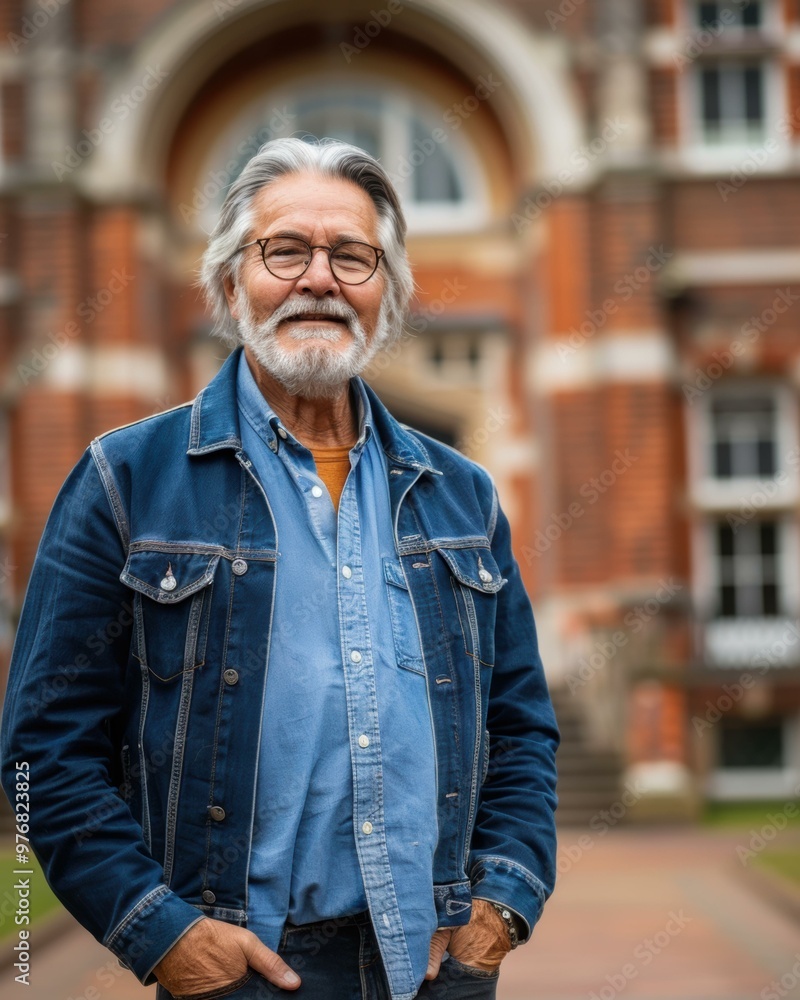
[731, 267]
[140, 372]
[647, 355]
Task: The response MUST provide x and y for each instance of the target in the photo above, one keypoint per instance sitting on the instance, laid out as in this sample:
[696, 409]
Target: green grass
[42, 900]
[748, 814]
[784, 863]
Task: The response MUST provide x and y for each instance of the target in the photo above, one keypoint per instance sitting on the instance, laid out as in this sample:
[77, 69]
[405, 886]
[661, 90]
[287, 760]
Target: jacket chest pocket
[475, 580]
[172, 607]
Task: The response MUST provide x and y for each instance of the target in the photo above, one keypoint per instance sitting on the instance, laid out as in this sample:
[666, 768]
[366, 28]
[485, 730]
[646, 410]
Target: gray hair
[325, 157]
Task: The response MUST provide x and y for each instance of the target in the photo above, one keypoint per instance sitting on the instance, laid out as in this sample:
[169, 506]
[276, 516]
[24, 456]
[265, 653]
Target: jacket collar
[215, 422]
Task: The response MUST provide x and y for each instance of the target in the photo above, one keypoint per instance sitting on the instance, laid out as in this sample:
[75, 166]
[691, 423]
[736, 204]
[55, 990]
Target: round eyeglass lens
[286, 257]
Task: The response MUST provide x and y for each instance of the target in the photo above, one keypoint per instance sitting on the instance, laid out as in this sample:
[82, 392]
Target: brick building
[603, 200]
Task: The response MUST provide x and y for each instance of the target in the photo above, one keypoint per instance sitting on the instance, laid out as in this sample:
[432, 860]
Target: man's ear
[231, 294]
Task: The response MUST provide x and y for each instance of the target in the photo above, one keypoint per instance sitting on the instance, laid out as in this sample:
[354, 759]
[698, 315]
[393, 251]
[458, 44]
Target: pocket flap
[168, 576]
[474, 567]
[393, 572]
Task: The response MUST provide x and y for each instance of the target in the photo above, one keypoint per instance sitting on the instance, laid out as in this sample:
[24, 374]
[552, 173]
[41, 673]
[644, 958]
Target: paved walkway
[637, 913]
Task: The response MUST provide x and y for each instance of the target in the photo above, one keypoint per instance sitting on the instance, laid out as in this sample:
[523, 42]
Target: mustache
[293, 308]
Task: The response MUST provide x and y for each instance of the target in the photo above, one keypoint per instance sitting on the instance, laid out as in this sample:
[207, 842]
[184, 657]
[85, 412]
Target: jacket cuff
[142, 938]
[499, 880]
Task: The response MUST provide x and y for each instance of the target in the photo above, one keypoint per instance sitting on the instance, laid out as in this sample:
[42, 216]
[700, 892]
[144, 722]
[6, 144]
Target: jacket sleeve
[513, 849]
[65, 693]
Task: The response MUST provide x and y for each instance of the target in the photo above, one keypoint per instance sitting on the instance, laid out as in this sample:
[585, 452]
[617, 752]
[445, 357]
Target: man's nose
[318, 276]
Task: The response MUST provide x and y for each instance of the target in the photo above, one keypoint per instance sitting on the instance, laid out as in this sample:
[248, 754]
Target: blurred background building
[603, 205]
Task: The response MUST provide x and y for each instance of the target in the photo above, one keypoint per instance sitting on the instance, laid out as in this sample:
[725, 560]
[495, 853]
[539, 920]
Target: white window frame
[772, 494]
[731, 784]
[774, 148]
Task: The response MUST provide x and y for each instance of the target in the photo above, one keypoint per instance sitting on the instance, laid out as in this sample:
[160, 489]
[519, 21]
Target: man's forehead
[298, 201]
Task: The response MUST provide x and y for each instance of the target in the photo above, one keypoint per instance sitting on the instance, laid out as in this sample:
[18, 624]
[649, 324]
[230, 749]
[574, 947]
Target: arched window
[422, 147]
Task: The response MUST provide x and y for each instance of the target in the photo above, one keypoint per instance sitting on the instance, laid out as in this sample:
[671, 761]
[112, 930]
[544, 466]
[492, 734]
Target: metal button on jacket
[231, 676]
[217, 813]
[239, 567]
[208, 896]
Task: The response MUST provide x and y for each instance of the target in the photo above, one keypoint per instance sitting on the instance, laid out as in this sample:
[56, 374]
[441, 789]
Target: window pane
[766, 458]
[707, 13]
[743, 434]
[723, 468]
[751, 14]
[748, 744]
[710, 94]
[725, 540]
[754, 111]
[727, 596]
[434, 177]
[770, 599]
[768, 538]
[747, 570]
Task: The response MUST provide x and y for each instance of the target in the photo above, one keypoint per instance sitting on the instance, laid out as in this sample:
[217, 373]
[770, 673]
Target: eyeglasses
[351, 262]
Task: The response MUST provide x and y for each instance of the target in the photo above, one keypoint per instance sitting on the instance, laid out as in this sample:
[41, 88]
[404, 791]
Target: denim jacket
[136, 686]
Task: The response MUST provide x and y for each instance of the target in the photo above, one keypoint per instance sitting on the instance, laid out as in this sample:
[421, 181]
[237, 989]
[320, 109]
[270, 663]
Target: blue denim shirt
[136, 687]
[327, 714]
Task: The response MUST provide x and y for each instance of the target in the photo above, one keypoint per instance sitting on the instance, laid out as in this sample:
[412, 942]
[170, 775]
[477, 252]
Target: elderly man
[276, 686]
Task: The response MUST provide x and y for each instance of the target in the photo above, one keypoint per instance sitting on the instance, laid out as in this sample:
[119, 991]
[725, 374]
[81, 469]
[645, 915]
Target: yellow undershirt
[333, 466]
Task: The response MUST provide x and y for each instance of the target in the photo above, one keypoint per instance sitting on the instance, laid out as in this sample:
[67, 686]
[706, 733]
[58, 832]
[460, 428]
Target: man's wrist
[512, 921]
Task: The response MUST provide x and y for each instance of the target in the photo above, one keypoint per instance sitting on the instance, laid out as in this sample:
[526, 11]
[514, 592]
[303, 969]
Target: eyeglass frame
[262, 244]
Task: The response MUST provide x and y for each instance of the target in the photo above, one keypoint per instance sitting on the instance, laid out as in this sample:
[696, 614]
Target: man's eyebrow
[338, 238]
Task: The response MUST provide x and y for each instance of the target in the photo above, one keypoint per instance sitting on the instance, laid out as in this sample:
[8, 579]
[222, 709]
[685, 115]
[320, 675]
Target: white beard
[314, 371]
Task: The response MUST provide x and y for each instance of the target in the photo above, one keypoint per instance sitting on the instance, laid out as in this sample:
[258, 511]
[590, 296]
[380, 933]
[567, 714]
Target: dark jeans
[339, 960]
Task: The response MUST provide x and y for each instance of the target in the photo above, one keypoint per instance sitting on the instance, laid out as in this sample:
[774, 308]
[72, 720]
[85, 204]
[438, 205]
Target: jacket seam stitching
[112, 493]
[133, 915]
[518, 870]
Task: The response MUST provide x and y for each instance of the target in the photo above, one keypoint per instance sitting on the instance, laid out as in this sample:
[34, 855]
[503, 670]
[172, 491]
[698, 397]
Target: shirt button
[282, 433]
[216, 813]
[366, 827]
[346, 572]
[485, 575]
[355, 656]
[208, 896]
[231, 676]
[239, 567]
[363, 741]
[316, 491]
